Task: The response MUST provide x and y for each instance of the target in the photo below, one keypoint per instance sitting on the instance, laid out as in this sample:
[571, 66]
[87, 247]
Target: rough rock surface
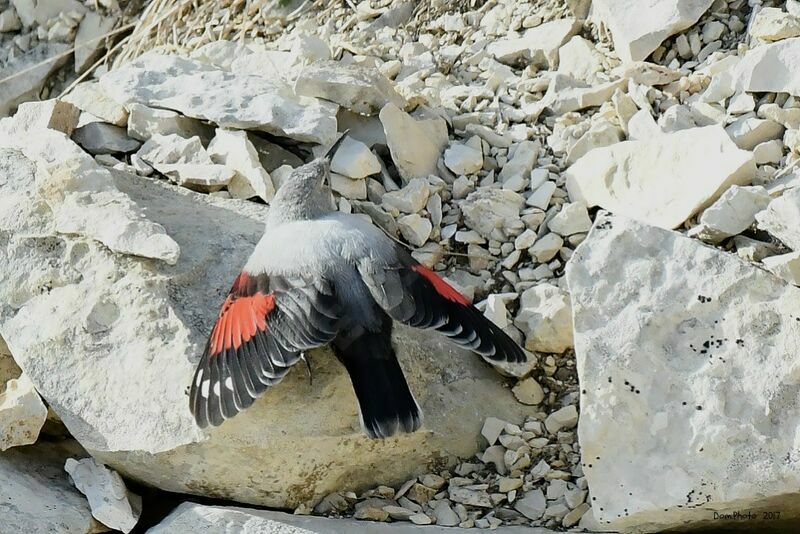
[190, 517]
[23, 77]
[22, 413]
[770, 68]
[415, 144]
[111, 313]
[79, 193]
[657, 181]
[640, 26]
[109, 499]
[201, 91]
[674, 360]
[357, 88]
[35, 492]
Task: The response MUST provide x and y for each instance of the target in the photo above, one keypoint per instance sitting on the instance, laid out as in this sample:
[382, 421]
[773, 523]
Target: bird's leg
[308, 368]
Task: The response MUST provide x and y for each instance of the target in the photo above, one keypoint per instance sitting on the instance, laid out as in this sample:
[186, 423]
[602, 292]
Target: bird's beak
[332, 150]
[328, 157]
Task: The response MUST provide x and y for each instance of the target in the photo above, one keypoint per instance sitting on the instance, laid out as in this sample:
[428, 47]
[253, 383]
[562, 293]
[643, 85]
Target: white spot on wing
[199, 378]
[216, 388]
[229, 383]
[204, 389]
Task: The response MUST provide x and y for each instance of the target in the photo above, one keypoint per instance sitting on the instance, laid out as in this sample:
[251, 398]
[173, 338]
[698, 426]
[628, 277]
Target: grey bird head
[305, 194]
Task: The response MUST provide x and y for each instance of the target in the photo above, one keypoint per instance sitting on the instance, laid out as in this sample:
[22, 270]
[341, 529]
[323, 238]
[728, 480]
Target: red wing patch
[443, 288]
[241, 316]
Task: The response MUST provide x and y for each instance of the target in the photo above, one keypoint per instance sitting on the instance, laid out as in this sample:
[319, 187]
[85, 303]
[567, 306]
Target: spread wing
[414, 295]
[265, 324]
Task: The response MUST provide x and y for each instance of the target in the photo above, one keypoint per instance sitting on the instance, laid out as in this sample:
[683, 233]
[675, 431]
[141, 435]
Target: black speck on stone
[699, 408]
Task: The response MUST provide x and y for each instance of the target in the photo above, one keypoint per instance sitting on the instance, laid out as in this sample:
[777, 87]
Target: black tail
[385, 402]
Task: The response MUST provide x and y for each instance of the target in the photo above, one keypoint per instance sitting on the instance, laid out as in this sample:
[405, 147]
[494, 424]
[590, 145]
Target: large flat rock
[110, 340]
[202, 91]
[190, 518]
[36, 494]
[772, 68]
[638, 27]
[687, 359]
[663, 180]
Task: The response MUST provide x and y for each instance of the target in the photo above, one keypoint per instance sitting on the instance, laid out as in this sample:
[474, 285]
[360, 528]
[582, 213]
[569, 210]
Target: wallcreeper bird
[318, 277]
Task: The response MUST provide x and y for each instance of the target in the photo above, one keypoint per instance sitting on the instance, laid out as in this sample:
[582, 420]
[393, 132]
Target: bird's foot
[308, 368]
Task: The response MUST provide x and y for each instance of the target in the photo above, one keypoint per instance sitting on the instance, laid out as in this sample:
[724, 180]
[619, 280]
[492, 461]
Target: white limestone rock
[22, 413]
[786, 266]
[646, 73]
[546, 247]
[521, 163]
[353, 189]
[89, 40]
[749, 132]
[355, 160]
[579, 59]
[9, 21]
[572, 219]
[415, 145]
[677, 367]
[24, 76]
[233, 149]
[545, 316]
[199, 176]
[110, 501]
[538, 46]
[781, 219]
[496, 309]
[50, 114]
[532, 504]
[772, 68]
[733, 213]
[173, 148]
[774, 24]
[768, 152]
[643, 126]
[155, 319]
[638, 27]
[80, 194]
[662, 181]
[410, 199]
[36, 493]
[463, 159]
[487, 209]
[355, 87]
[415, 228]
[541, 196]
[236, 101]
[191, 517]
[42, 11]
[564, 418]
[145, 122]
[565, 94]
[90, 98]
[601, 133]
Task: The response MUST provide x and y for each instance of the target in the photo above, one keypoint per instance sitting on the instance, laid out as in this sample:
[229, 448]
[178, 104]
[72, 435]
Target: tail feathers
[386, 404]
